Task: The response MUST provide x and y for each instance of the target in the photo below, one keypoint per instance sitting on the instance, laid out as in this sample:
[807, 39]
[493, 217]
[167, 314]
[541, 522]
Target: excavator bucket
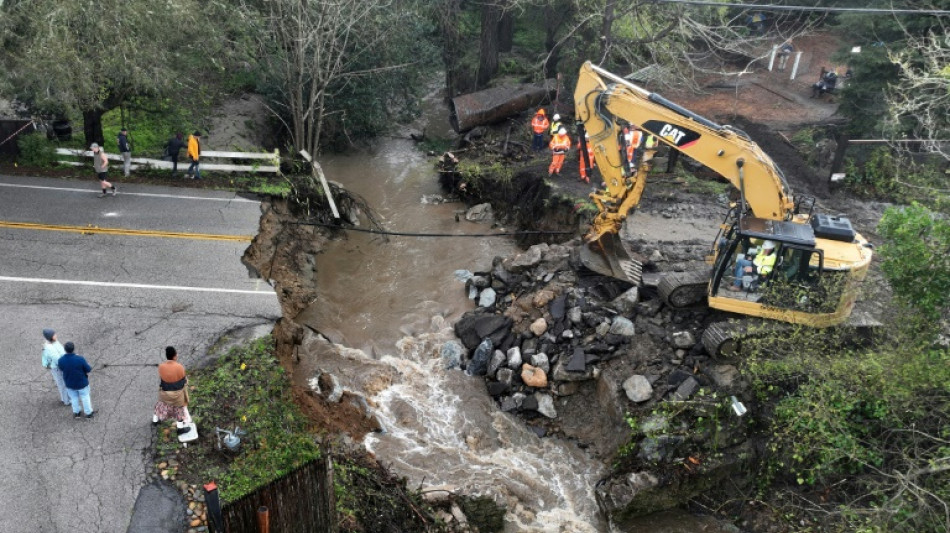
[609, 256]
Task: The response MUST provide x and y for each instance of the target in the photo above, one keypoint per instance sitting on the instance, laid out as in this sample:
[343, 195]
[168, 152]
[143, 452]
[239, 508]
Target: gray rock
[480, 213]
[561, 373]
[602, 329]
[463, 275]
[623, 327]
[618, 493]
[574, 315]
[654, 424]
[566, 388]
[505, 375]
[686, 389]
[487, 298]
[578, 361]
[497, 359]
[626, 303]
[545, 404]
[508, 404]
[656, 256]
[657, 449]
[567, 334]
[478, 366]
[472, 292]
[336, 390]
[514, 358]
[519, 398]
[527, 260]
[482, 282]
[638, 388]
[472, 328]
[557, 307]
[541, 361]
[451, 354]
[724, 376]
[683, 340]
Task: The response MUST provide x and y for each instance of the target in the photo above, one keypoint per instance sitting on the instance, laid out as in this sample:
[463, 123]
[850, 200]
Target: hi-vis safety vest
[764, 263]
[539, 123]
[560, 143]
[651, 142]
[555, 126]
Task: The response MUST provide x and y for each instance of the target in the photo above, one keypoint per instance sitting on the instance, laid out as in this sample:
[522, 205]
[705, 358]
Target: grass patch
[246, 387]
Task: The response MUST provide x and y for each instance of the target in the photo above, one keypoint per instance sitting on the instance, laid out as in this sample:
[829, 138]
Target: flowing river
[395, 301]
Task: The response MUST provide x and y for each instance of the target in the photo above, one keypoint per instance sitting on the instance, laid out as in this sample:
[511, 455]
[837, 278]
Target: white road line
[235, 199]
[134, 285]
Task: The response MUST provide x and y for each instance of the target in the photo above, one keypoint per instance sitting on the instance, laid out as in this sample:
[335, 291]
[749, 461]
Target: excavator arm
[605, 103]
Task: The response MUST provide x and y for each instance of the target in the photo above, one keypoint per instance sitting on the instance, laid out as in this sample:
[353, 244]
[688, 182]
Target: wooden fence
[301, 501]
[270, 160]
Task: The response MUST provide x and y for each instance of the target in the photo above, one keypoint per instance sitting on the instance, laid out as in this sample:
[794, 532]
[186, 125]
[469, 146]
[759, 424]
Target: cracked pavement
[59, 474]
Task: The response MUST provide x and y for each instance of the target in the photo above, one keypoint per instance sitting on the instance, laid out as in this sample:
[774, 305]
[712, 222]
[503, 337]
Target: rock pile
[605, 363]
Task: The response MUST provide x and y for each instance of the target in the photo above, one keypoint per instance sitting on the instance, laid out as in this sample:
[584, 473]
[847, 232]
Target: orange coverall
[559, 145]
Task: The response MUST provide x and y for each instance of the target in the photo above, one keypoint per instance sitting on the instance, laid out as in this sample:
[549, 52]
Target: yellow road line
[89, 230]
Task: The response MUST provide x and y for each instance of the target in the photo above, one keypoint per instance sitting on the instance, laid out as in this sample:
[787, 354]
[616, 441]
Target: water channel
[395, 300]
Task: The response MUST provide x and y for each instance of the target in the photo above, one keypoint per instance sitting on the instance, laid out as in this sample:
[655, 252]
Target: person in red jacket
[590, 158]
[559, 146]
[539, 125]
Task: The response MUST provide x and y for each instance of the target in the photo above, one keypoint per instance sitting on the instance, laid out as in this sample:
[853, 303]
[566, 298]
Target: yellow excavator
[818, 262]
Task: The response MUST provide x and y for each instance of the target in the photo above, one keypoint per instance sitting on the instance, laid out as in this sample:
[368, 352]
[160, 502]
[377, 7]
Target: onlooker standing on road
[172, 390]
[175, 144]
[126, 150]
[52, 351]
[194, 152]
[76, 376]
[101, 163]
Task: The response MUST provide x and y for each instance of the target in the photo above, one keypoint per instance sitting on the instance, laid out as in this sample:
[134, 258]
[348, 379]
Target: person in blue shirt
[76, 376]
[52, 351]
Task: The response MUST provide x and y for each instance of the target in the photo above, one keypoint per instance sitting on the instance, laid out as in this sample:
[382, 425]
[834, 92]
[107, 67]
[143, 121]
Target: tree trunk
[451, 46]
[506, 32]
[551, 23]
[92, 126]
[488, 50]
[605, 33]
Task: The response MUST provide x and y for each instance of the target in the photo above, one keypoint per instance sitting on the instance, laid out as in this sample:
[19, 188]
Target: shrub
[36, 151]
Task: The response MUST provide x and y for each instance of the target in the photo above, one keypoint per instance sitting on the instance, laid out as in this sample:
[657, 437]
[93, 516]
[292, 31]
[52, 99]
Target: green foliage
[480, 177]
[877, 177]
[36, 150]
[915, 258]
[248, 388]
[151, 124]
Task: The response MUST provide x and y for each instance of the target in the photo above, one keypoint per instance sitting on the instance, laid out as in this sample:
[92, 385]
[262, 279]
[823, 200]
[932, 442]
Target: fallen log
[493, 105]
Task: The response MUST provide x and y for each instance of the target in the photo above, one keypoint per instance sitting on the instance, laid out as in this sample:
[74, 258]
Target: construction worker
[651, 143]
[555, 124]
[559, 145]
[539, 125]
[632, 137]
[590, 157]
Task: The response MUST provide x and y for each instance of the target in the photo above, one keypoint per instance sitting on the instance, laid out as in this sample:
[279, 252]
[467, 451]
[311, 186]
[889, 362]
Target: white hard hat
[562, 131]
[557, 117]
[768, 245]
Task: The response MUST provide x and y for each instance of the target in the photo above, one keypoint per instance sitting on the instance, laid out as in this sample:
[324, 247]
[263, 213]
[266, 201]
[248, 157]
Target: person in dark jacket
[76, 371]
[126, 150]
[175, 144]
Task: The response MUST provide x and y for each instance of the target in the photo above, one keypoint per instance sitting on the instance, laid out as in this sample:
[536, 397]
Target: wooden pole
[263, 520]
[317, 171]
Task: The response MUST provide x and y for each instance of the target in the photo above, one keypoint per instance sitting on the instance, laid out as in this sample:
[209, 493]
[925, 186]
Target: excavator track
[725, 339]
[684, 290]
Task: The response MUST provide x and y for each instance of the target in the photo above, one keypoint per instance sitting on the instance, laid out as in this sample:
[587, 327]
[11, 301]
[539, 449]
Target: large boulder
[473, 327]
[480, 213]
[527, 260]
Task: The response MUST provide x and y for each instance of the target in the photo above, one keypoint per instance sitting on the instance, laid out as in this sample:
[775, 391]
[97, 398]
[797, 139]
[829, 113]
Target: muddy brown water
[394, 301]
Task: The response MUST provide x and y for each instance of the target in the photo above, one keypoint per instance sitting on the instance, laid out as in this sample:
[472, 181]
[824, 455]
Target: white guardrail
[270, 160]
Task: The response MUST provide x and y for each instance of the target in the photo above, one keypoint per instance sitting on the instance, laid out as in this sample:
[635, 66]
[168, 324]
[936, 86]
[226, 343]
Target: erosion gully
[394, 300]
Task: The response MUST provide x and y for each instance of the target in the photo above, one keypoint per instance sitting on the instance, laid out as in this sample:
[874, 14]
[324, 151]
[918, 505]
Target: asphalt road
[121, 299]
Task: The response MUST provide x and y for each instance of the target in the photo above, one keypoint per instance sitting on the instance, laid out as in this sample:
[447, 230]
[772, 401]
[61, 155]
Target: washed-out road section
[121, 298]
